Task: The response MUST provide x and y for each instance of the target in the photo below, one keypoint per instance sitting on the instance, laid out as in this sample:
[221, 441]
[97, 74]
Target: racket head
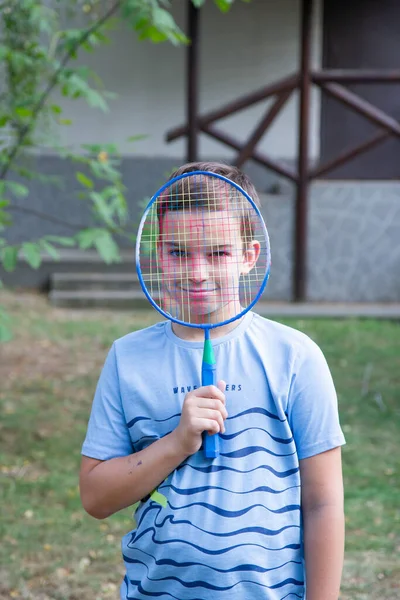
[161, 225]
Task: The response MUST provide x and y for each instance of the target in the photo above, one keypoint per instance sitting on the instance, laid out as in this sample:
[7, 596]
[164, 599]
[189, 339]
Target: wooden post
[192, 81]
[300, 245]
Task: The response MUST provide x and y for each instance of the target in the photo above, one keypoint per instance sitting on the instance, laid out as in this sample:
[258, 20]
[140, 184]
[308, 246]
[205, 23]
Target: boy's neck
[193, 334]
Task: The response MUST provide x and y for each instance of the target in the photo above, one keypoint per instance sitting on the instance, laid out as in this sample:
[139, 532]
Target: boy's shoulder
[280, 333]
[283, 342]
[141, 337]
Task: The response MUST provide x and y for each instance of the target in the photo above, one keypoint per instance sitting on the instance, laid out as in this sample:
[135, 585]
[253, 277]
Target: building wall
[254, 44]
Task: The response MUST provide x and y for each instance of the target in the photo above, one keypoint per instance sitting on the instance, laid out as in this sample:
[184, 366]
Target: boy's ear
[250, 256]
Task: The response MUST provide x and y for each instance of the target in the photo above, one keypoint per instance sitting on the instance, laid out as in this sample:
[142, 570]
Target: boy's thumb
[221, 385]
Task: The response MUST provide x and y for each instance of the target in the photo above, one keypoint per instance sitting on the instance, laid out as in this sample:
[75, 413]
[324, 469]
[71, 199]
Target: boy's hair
[228, 171]
[188, 194]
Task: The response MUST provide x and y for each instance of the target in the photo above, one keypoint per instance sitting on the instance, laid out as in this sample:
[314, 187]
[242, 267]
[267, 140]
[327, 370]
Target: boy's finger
[210, 391]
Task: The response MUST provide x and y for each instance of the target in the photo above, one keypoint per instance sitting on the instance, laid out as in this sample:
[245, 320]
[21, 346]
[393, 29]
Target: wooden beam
[356, 76]
[362, 107]
[347, 155]
[271, 114]
[258, 157]
[288, 83]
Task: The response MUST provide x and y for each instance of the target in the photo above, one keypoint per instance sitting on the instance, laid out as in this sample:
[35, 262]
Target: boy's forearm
[120, 482]
[324, 550]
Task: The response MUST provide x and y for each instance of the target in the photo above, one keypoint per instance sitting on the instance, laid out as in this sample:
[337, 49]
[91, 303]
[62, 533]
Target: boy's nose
[199, 270]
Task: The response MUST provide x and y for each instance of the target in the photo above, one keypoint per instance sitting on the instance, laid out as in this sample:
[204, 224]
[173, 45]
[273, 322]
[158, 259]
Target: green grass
[52, 550]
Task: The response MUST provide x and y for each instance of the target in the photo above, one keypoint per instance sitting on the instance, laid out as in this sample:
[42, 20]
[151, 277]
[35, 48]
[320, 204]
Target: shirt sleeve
[107, 433]
[313, 408]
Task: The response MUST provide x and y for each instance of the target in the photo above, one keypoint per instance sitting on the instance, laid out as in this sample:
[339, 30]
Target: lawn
[51, 549]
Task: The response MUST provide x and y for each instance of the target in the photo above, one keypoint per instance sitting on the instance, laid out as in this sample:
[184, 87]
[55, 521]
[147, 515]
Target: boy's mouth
[198, 292]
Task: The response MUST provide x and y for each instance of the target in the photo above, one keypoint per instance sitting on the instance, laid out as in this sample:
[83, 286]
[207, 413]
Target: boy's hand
[203, 410]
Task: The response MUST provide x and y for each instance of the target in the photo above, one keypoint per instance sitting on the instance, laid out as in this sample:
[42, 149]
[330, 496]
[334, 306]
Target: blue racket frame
[208, 370]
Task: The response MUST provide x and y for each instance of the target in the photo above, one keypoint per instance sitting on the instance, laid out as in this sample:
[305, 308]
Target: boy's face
[202, 256]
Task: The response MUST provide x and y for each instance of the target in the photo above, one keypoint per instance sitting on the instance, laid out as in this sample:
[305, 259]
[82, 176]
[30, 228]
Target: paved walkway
[329, 309]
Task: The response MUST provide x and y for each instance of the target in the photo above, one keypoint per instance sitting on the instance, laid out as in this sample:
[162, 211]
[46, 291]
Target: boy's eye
[177, 253]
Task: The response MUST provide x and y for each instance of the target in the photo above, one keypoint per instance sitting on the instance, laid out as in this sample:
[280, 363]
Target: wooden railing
[329, 81]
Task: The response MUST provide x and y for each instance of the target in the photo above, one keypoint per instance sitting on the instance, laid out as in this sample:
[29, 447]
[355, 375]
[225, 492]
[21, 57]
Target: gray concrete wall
[353, 242]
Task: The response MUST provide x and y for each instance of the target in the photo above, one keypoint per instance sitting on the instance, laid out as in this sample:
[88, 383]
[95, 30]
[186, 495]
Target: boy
[265, 516]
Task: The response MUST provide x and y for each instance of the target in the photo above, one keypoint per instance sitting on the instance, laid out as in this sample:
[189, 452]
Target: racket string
[196, 245]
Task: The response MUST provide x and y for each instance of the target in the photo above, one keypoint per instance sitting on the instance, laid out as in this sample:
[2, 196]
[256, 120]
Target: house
[345, 186]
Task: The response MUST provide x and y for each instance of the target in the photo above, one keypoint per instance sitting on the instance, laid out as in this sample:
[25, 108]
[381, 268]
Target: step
[118, 299]
[71, 261]
[94, 281]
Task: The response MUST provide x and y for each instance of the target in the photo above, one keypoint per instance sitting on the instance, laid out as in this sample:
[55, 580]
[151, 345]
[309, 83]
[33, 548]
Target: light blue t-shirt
[231, 529]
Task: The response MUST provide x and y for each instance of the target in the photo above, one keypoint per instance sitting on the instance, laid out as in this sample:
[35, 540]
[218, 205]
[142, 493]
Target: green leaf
[9, 256]
[198, 3]
[19, 190]
[64, 121]
[86, 237]
[5, 322]
[93, 148]
[50, 249]
[74, 85]
[61, 240]
[23, 112]
[110, 148]
[224, 5]
[102, 208]
[96, 100]
[32, 254]
[84, 180]
[107, 248]
[119, 206]
[153, 22]
[150, 32]
[5, 219]
[109, 95]
[57, 110]
[137, 138]
[102, 240]
[72, 39]
[4, 52]
[159, 498]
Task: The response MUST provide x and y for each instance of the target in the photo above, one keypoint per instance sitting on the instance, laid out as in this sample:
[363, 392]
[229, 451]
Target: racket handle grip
[210, 441]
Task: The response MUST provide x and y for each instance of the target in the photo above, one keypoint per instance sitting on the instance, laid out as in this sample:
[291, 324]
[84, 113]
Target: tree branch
[52, 83]
[75, 227]
[44, 216]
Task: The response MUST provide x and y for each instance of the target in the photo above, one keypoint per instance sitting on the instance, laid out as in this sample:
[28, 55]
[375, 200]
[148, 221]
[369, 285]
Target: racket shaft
[211, 442]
